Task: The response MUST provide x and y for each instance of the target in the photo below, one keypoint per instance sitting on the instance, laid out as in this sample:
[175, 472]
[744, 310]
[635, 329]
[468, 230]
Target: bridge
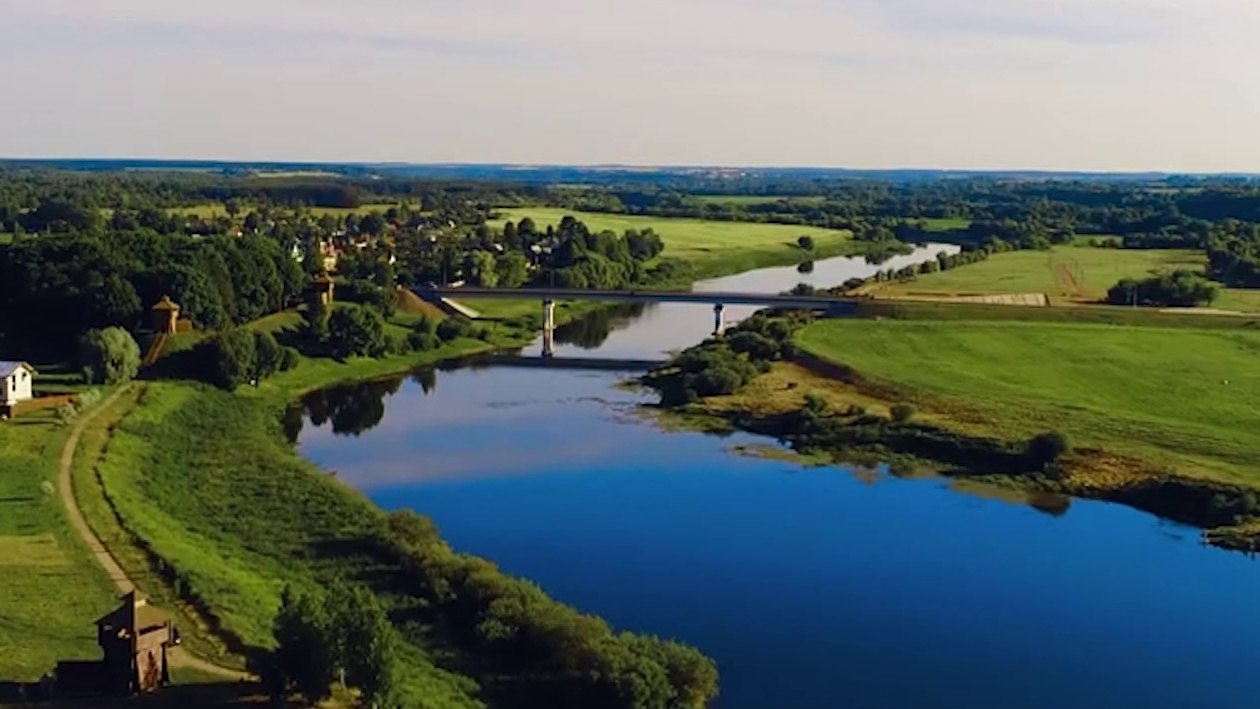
[718, 299]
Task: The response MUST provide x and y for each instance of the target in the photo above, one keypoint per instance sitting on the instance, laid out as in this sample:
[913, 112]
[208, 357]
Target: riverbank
[1160, 417]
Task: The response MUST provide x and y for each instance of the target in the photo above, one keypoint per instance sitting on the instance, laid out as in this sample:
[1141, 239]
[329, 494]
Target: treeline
[24, 192]
[53, 289]
[555, 656]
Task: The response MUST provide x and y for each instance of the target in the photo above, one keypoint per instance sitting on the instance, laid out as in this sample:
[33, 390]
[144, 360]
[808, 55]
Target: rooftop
[166, 304]
[9, 367]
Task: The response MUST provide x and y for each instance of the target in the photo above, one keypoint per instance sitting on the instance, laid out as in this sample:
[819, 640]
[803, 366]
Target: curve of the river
[813, 588]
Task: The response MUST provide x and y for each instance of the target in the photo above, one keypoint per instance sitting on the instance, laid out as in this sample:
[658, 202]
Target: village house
[16, 383]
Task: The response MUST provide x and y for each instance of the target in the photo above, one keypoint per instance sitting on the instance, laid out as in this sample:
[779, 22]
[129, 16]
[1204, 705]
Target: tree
[355, 330]
[233, 358]
[109, 356]
[364, 646]
[268, 355]
[304, 656]
[513, 270]
[480, 269]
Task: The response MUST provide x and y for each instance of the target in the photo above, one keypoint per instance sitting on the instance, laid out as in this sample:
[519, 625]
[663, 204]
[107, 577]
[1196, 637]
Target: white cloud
[1040, 83]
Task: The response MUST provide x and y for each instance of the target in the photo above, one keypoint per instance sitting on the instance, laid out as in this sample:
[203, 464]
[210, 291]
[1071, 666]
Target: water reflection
[351, 409]
[592, 331]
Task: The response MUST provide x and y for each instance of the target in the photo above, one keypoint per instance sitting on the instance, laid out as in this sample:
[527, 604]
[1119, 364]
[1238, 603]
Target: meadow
[52, 591]
[1065, 273]
[1179, 398]
[711, 246]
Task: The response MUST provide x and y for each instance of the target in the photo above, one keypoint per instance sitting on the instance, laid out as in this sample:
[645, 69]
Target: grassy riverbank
[1159, 418]
[1179, 398]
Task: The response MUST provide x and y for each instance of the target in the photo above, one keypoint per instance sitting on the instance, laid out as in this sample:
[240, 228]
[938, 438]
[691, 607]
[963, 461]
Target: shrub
[419, 341]
[268, 355]
[1046, 448]
[902, 413]
[233, 358]
[289, 359]
[66, 413]
[109, 356]
[454, 328]
[806, 242]
[356, 331]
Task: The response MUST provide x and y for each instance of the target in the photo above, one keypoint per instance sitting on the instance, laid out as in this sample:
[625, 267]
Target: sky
[984, 84]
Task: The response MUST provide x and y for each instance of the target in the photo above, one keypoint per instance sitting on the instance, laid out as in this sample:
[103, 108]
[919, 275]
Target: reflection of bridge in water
[604, 364]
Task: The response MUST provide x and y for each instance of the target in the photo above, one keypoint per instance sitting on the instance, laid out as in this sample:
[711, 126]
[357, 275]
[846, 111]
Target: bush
[356, 331]
[806, 242]
[454, 328]
[902, 413]
[109, 356]
[289, 359]
[233, 358]
[418, 341]
[1046, 448]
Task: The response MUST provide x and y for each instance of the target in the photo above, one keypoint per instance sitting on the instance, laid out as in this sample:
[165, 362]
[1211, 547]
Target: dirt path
[65, 488]
[1067, 279]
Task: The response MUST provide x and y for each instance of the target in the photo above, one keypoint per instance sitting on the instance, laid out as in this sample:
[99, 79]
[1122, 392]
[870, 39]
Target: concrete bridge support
[549, 327]
[719, 325]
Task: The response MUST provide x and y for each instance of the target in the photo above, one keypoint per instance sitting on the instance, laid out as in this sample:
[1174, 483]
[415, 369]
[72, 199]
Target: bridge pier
[719, 325]
[549, 327]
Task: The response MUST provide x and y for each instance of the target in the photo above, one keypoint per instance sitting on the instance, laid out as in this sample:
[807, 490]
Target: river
[813, 588]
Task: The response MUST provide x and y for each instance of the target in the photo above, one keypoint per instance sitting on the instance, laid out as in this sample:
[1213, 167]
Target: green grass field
[1064, 273]
[51, 591]
[943, 223]
[1183, 398]
[712, 246]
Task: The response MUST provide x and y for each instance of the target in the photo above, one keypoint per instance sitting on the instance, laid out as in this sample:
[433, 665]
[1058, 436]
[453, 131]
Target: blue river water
[812, 587]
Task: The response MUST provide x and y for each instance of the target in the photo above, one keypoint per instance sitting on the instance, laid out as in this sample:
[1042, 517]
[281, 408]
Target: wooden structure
[135, 638]
[166, 316]
[324, 288]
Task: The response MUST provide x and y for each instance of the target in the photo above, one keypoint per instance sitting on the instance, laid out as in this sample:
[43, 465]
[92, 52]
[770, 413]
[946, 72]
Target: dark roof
[8, 367]
[135, 614]
[166, 304]
[323, 278]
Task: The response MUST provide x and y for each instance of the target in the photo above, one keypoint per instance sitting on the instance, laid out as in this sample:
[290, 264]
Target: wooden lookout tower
[165, 316]
[324, 288]
[135, 638]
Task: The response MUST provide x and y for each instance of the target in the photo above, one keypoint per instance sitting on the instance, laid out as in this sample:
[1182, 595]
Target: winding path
[65, 488]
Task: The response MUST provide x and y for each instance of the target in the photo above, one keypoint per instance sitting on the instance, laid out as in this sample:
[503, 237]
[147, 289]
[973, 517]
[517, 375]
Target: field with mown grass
[713, 247]
[51, 591]
[1181, 398]
[1065, 273]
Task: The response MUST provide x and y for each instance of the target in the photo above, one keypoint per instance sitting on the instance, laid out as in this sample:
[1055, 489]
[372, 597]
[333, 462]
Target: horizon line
[626, 166]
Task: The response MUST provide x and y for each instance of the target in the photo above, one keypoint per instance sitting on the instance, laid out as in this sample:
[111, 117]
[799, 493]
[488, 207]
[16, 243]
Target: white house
[15, 382]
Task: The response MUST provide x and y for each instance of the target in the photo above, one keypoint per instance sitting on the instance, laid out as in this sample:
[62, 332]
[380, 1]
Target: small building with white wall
[16, 382]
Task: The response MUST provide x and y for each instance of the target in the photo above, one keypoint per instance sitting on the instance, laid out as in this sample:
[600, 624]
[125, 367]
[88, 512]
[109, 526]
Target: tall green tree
[109, 356]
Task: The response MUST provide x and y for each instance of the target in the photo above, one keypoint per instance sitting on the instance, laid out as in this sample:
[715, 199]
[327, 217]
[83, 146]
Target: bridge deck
[655, 296]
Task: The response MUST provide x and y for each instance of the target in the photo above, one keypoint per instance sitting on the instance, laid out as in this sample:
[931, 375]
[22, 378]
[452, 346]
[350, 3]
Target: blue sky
[1056, 84]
